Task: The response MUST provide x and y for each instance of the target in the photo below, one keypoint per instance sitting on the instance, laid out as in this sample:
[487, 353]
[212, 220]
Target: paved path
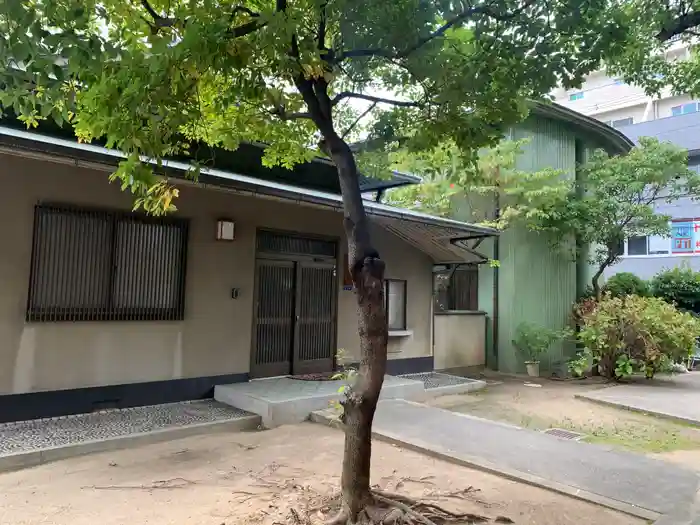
[676, 397]
[616, 476]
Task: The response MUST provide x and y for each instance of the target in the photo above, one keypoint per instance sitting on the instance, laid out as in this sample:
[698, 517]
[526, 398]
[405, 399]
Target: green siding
[537, 283]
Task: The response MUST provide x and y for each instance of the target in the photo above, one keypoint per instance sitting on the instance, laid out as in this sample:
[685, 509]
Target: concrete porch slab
[285, 400]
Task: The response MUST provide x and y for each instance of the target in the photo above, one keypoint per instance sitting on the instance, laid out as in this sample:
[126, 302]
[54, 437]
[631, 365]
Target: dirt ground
[257, 478]
[552, 404]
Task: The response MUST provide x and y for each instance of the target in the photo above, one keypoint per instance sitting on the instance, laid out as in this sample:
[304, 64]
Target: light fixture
[225, 230]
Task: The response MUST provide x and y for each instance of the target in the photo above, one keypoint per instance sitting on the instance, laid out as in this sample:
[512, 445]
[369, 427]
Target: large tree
[151, 77]
[647, 30]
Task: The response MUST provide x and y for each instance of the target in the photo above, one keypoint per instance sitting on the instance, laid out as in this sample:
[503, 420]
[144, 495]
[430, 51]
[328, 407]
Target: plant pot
[533, 368]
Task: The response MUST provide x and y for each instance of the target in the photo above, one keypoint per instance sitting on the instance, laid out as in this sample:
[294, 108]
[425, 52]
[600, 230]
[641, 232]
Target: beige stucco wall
[215, 336]
[459, 341]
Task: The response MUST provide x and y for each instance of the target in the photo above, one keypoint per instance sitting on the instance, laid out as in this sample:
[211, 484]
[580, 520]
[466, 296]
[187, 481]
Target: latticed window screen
[272, 242]
[97, 265]
[458, 292]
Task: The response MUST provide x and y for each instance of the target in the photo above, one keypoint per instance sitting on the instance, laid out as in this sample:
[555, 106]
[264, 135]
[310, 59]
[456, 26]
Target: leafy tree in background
[615, 200]
[491, 191]
[612, 200]
[651, 27]
[154, 77]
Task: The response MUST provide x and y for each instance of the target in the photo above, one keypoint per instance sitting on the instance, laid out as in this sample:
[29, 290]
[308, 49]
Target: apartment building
[618, 104]
[646, 256]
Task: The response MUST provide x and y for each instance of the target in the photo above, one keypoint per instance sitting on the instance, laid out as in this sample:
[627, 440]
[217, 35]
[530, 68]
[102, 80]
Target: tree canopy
[650, 29]
[304, 78]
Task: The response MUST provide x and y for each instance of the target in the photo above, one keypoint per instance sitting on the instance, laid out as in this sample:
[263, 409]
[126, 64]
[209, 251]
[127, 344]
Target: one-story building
[102, 307]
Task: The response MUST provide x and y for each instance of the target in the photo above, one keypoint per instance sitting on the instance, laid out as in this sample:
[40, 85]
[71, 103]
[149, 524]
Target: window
[683, 240]
[637, 246]
[458, 290]
[620, 122]
[395, 304]
[576, 96]
[684, 109]
[648, 245]
[618, 82]
[95, 265]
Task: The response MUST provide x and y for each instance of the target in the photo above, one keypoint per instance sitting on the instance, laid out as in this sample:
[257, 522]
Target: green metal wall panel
[537, 283]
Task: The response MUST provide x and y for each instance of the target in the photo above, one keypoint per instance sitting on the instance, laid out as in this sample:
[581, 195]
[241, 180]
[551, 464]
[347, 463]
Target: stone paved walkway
[676, 397]
[27, 436]
[620, 476]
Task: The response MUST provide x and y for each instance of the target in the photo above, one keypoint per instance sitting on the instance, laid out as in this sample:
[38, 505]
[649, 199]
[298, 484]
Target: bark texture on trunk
[368, 276]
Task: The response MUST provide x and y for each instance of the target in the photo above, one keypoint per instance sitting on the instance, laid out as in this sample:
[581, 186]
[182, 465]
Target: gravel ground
[25, 436]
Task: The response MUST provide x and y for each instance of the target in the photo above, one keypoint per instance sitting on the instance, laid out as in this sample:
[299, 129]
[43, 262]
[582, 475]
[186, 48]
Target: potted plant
[532, 341]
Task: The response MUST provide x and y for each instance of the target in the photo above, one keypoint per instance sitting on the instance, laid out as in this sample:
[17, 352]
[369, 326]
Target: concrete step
[285, 400]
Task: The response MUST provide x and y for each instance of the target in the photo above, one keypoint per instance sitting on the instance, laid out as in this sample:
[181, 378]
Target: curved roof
[610, 138]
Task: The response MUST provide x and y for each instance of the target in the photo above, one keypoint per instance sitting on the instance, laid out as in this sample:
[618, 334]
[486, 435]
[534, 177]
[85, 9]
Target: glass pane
[637, 245]
[690, 108]
[676, 110]
[622, 122]
[396, 296]
[659, 245]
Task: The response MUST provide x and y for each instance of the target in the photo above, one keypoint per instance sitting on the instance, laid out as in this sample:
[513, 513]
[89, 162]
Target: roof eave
[616, 141]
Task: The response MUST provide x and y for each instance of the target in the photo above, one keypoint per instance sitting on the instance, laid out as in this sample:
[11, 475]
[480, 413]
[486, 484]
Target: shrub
[627, 334]
[532, 340]
[680, 286]
[626, 283]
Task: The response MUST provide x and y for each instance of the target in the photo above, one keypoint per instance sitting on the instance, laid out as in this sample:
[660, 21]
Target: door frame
[296, 259]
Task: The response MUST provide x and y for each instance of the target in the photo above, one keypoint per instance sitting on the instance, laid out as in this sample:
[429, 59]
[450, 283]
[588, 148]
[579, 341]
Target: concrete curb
[326, 417]
[33, 458]
[660, 415]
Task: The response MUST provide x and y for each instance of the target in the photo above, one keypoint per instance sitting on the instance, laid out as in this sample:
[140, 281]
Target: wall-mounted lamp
[225, 230]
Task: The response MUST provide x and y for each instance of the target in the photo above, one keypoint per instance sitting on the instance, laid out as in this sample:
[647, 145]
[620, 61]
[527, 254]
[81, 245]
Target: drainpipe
[496, 255]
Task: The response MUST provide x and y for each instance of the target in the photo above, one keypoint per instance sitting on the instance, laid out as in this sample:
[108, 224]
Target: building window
[395, 304]
[97, 265]
[576, 96]
[684, 240]
[684, 109]
[458, 290]
[620, 122]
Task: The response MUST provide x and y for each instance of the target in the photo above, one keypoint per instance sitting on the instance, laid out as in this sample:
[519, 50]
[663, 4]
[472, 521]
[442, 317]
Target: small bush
[627, 334]
[532, 340]
[680, 286]
[626, 283]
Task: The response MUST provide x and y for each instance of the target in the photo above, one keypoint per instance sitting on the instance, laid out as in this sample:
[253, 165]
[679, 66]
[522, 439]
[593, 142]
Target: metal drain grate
[564, 434]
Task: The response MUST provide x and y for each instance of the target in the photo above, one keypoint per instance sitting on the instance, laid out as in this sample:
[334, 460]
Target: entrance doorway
[295, 305]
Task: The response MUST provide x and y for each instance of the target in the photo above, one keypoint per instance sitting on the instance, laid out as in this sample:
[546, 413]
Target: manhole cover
[565, 434]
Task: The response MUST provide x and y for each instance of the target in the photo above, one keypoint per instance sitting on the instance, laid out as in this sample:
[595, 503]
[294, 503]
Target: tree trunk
[368, 277]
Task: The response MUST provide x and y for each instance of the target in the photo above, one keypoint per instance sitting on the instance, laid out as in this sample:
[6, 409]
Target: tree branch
[321, 35]
[377, 100]
[357, 120]
[679, 26]
[244, 9]
[483, 10]
[158, 20]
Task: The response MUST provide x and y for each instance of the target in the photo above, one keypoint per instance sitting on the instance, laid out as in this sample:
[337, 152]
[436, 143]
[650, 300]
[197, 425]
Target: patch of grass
[633, 432]
[646, 438]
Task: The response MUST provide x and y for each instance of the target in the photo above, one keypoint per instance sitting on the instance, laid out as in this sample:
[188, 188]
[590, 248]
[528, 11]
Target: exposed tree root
[398, 509]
